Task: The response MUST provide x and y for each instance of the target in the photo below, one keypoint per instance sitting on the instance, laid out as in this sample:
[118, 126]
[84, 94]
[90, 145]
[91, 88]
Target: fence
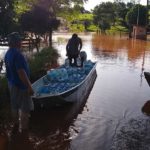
[30, 43]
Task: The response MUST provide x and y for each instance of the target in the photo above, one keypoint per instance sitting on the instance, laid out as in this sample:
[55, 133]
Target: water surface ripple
[111, 117]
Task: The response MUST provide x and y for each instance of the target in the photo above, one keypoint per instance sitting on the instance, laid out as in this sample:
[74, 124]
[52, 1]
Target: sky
[92, 3]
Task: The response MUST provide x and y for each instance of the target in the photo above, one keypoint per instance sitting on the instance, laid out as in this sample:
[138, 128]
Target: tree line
[118, 13]
[40, 17]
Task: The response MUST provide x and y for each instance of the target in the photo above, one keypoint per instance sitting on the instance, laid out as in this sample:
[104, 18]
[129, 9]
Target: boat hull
[82, 90]
[77, 94]
[147, 77]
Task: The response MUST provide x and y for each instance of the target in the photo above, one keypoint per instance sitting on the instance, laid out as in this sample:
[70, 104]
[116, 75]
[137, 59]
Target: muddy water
[110, 118]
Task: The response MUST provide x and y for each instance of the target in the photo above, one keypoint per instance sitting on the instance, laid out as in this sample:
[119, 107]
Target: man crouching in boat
[73, 48]
[83, 57]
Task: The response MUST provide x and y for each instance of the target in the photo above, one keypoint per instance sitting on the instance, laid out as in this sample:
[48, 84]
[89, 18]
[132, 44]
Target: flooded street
[110, 118]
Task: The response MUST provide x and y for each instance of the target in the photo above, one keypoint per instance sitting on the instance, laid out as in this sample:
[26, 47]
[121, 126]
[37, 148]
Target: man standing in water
[17, 72]
[73, 48]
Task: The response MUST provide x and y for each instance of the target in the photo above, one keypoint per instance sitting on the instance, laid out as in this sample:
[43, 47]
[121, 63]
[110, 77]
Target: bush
[41, 61]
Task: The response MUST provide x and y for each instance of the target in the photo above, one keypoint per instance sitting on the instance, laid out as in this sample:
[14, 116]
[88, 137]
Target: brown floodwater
[110, 117]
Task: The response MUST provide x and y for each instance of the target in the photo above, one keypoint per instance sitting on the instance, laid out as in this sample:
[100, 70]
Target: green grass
[85, 16]
[92, 28]
[119, 28]
[80, 28]
[76, 28]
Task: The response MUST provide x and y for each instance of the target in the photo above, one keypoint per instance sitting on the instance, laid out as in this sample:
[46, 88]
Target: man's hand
[24, 78]
[30, 91]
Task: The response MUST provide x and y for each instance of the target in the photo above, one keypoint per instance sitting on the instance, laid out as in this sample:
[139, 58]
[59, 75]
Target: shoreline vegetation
[39, 64]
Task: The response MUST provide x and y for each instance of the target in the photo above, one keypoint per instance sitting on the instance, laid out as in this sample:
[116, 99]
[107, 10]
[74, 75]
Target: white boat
[70, 85]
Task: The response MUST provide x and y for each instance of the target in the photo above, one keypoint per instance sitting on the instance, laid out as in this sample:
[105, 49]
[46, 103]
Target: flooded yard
[111, 117]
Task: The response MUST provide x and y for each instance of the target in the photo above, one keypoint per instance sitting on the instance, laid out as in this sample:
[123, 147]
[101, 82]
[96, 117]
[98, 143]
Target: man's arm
[80, 45]
[67, 48]
[24, 78]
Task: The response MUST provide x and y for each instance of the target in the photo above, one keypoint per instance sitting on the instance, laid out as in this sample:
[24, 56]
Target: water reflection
[52, 127]
[111, 117]
[112, 47]
[133, 56]
[118, 95]
[3, 50]
[132, 135]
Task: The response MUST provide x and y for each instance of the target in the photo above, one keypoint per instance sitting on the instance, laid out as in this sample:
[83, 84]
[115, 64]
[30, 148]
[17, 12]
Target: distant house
[139, 32]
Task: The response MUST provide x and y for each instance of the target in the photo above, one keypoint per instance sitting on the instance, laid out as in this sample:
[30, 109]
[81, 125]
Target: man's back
[74, 45]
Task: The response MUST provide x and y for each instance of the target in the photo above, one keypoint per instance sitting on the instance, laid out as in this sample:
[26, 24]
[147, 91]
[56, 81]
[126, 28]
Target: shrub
[42, 61]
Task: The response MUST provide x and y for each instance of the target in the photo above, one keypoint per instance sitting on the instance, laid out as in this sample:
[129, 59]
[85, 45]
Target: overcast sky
[92, 3]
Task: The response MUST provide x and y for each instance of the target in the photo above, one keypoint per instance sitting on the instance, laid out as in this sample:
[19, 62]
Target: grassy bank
[39, 64]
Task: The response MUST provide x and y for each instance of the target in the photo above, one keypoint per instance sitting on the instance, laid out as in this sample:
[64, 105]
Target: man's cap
[14, 38]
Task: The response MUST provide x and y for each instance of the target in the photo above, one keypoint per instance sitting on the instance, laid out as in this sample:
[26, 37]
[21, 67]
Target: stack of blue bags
[64, 78]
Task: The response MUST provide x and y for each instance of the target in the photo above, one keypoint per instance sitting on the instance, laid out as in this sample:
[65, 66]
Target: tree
[20, 6]
[57, 6]
[104, 15]
[137, 15]
[54, 8]
[39, 21]
[130, 5]
[66, 9]
[7, 24]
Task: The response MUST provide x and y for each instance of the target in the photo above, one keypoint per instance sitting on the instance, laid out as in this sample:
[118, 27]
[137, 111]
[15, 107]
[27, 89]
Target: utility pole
[137, 20]
[148, 9]
[147, 17]
[138, 13]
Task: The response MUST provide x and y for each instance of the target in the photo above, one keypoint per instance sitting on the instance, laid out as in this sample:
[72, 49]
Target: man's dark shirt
[14, 61]
[74, 46]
